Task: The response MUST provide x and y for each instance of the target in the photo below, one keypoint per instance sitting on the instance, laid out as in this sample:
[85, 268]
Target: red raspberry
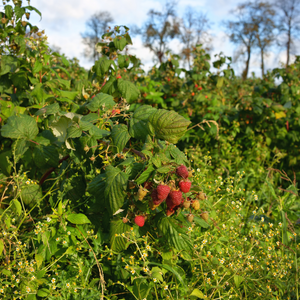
[185, 185]
[170, 212]
[182, 171]
[170, 204]
[175, 197]
[139, 221]
[163, 191]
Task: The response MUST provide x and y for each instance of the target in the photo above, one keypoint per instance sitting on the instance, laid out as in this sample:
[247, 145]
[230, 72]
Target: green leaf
[9, 11]
[48, 110]
[78, 219]
[157, 273]
[74, 132]
[1, 246]
[17, 206]
[117, 227]
[167, 125]
[39, 259]
[145, 175]
[98, 133]
[178, 156]
[101, 101]
[8, 64]
[20, 127]
[38, 65]
[43, 292]
[138, 122]
[120, 136]
[128, 90]
[164, 169]
[201, 222]
[115, 187]
[31, 193]
[5, 167]
[102, 65]
[123, 61]
[45, 155]
[120, 42]
[141, 288]
[197, 293]
[67, 94]
[60, 127]
[238, 280]
[175, 235]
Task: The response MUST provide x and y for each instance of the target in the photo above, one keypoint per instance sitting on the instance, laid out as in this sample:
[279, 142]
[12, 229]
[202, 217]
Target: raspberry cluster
[172, 193]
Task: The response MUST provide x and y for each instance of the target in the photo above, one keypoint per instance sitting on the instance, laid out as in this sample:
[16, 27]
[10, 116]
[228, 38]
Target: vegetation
[116, 184]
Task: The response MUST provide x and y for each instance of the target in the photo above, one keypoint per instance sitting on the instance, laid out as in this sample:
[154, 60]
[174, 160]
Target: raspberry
[185, 185]
[196, 205]
[170, 212]
[139, 221]
[175, 197]
[182, 171]
[204, 216]
[170, 204]
[186, 204]
[190, 217]
[142, 192]
[163, 191]
[201, 196]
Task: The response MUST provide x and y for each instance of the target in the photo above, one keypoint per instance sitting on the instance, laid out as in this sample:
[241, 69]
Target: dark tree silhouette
[96, 27]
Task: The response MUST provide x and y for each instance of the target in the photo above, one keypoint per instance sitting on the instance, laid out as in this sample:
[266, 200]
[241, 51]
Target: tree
[243, 31]
[290, 21]
[160, 28]
[193, 31]
[263, 16]
[97, 25]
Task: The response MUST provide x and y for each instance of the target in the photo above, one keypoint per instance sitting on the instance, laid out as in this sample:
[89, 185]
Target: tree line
[251, 26]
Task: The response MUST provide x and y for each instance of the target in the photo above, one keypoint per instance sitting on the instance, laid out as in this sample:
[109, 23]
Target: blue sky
[64, 20]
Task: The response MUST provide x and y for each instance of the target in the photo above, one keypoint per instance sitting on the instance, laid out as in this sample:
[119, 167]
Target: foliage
[83, 153]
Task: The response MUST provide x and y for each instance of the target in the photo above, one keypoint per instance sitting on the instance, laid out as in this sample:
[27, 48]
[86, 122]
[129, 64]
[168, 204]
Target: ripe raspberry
[196, 205]
[175, 197]
[139, 221]
[190, 217]
[170, 204]
[204, 216]
[182, 171]
[163, 191]
[185, 185]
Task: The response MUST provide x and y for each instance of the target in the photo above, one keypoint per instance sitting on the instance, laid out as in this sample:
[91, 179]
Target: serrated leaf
[197, 293]
[120, 136]
[123, 61]
[43, 292]
[164, 169]
[78, 219]
[20, 127]
[98, 133]
[128, 90]
[279, 115]
[73, 132]
[115, 187]
[60, 127]
[30, 194]
[145, 175]
[201, 222]
[45, 155]
[167, 125]
[117, 227]
[120, 42]
[17, 206]
[102, 65]
[156, 161]
[101, 101]
[178, 156]
[138, 122]
[238, 280]
[48, 110]
[175, 235]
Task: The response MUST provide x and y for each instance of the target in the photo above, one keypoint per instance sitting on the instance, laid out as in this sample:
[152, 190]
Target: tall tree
[160, 28]
[242, 31]
[290, 22]
[96, 25]
[193, 31]
[263, 16]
